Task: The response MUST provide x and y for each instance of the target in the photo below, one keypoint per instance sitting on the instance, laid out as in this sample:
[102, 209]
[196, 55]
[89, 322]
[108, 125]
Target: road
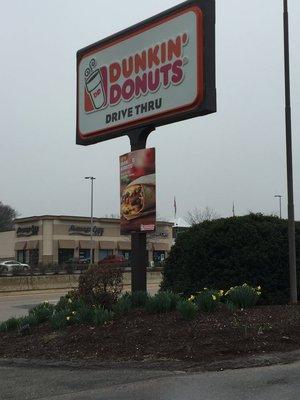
[277, 382]
[17, 304]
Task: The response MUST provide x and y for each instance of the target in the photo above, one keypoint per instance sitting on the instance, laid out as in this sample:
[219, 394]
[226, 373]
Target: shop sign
[157, 72]
[32, 230]
[137, 191]
[85, 230]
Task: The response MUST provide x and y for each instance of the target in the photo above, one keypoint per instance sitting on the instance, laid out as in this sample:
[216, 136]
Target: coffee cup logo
[95, 86]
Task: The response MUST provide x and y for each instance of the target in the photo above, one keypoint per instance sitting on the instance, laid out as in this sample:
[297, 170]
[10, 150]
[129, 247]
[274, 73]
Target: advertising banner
[159, 71]
[137, 191]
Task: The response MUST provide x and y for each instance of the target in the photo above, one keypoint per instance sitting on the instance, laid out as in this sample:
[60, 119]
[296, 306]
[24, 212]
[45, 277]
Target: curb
[163, 365]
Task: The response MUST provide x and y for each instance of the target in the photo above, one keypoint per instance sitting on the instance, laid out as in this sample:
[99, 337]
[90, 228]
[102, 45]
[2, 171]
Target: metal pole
[289, 160]
[279, 197]
[91, 178]
[138, 139]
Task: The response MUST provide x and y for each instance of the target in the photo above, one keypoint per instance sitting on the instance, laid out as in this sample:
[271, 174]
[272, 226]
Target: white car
[11, 265]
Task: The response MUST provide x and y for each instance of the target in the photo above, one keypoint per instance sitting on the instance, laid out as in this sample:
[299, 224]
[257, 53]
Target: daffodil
[191, 298]
[258, 287]
[221, 292]
[73, 312]
[70, 300]
[214, 297]
[68, 318]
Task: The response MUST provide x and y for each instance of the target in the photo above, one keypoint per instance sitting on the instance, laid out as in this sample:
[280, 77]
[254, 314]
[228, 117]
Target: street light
[279, 197]
[289, 159]
[91, 178]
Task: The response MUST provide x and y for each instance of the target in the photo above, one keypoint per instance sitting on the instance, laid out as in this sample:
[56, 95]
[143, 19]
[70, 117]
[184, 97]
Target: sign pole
[289, 158]
[139, 260]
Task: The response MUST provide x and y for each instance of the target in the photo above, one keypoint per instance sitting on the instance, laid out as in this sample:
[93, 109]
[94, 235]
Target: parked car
[114, 260]
[11, 266]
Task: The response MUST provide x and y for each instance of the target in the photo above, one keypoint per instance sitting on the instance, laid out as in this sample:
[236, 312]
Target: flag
[175, 207]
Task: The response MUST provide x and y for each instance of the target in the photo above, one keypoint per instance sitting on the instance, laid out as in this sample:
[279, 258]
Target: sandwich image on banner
[137, 191]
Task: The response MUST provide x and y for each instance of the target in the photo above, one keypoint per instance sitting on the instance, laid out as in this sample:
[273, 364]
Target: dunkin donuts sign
[150, 74]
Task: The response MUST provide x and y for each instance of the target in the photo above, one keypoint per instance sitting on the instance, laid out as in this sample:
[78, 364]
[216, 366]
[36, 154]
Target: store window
[65, 255]
[84, 255]
[126, 254]
[21, 256]
[33, 257]
[103, 253]
[159, 256]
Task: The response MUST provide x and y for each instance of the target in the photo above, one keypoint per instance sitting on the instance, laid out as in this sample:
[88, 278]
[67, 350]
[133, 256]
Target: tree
[196, 216]
[226, 252]
[7, 216]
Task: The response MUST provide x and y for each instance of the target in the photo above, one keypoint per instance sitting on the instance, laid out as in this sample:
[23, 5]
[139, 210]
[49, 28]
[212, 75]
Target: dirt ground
[142, 336]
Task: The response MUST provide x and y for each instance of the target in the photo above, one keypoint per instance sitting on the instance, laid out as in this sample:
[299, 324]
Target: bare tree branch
[196, 216]
[7, 215]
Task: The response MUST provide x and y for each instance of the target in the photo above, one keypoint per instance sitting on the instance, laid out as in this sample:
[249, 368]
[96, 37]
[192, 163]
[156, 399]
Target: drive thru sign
[159, 71]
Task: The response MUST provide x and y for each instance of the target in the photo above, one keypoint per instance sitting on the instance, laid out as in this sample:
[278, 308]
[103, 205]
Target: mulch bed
[141, 336]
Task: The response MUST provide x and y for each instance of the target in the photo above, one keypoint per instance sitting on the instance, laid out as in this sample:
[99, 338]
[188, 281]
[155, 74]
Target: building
[51, 239]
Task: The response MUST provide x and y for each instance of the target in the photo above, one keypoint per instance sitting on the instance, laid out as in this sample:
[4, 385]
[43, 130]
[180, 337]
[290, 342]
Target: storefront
[57, 239]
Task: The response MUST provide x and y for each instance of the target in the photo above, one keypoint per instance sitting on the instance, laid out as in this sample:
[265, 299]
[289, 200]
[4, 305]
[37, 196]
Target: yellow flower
[191, 298]
[68, 318]
[244, 284]
[214, 297]
[70, 300]
[46, 302]
[258, 287]
[205, 288]
[73, 312]
[221, 292]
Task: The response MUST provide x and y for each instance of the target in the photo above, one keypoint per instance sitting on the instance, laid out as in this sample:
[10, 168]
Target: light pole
[289, 160]
[279, 197]
[91, 178]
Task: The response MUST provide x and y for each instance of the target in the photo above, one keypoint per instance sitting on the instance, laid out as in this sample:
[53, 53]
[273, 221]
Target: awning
[32, 244]
[106, 245]
[124, 245]
[66, 244]
[20, 246]
[87, 244]
[161, 246]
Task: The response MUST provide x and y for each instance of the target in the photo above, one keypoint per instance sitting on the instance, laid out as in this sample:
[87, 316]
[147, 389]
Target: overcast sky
[237, 154]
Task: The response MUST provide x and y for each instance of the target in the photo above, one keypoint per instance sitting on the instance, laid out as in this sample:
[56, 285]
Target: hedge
[226, 252]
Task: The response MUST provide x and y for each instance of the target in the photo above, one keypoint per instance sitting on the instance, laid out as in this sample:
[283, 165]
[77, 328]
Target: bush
[10, 325]
[100, 285]
[187, 309]
[243, 296]
[84, 315]
[60, 319]
[123, 306]
[31, 320]
[229, 251]
[208, 300]
[139, 299]
[162, 302]
[101, 315]
[43, 312]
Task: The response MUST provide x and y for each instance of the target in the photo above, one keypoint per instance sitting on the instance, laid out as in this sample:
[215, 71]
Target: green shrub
[243, 296]
[162, 302]
[100, 285]
[3, 327]
[43, 312]
[229, 251]
[187, 309]
[84, 315]
[101, 315]
[123, 306]
[139, 299]
[31, 320]
[60, 319]
[208, 300]
[11, 324]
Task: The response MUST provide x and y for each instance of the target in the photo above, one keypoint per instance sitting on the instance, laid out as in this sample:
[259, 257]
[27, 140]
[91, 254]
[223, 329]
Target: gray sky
[236, 154]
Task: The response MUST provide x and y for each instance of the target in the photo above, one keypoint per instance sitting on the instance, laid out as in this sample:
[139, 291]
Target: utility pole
[289, 160]
[279, 197]
[92, 222]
